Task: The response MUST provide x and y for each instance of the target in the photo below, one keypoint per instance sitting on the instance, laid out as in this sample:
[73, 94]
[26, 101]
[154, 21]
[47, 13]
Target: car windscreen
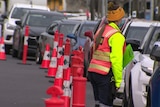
[67, 29]
[137, 33]
[19, 12]
[42, 20]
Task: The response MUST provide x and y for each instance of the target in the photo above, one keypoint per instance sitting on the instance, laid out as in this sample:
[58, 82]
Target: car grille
[8, 37]
[32, 42]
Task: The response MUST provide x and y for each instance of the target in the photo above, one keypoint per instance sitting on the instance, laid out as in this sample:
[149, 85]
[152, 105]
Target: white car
[17, 11]
[141, 34]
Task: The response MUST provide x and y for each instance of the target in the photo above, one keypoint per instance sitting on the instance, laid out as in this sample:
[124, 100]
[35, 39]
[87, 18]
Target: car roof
[45, 12]
[67, 21]
[142, 22]
[89, 22]
[31, 6]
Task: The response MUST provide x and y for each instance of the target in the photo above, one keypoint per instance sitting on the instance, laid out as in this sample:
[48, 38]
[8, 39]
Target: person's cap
[115, 15]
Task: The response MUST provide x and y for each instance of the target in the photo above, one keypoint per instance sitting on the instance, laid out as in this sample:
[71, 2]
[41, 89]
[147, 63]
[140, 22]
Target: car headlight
[147, 70]
[10, 26]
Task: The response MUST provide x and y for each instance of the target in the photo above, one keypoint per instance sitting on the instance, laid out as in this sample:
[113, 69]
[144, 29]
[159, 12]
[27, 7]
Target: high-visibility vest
[100, 61]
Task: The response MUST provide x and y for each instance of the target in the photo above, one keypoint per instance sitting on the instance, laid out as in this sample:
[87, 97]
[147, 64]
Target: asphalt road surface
[25, 85]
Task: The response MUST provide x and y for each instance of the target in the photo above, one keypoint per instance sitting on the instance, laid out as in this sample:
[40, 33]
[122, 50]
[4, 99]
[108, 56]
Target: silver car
[141, 34]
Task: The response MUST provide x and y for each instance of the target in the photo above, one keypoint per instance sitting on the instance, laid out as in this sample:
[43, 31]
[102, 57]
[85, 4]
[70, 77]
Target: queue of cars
[47, 37]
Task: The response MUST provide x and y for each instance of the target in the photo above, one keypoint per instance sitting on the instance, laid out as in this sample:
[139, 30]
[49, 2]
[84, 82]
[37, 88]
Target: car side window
[53, 27]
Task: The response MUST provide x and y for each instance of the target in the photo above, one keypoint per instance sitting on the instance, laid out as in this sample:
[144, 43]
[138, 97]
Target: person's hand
[117, 88]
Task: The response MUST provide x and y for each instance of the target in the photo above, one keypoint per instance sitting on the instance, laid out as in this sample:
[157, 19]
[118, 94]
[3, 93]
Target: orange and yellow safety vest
[100, 62]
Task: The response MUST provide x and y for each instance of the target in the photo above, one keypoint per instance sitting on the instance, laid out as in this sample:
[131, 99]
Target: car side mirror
[155, 52]
[72, 36]
[89, 34]
[134, 43]
[18, 22]
[51, 32]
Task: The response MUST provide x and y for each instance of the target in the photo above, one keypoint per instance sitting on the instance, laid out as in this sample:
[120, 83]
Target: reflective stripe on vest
[100, 61]
[102, 68]
[100, 55]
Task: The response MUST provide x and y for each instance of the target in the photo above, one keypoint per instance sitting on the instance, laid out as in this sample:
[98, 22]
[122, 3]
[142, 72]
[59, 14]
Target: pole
[152, 9]
[92, 9]
[106, 6]
[130, 7]
[103, 8]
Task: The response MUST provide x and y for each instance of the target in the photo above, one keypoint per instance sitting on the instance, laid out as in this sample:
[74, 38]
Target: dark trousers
[103, 87]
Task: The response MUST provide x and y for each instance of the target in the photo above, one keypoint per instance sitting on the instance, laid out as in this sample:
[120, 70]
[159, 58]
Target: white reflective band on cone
[66, 65]
[67, 92]
[46, 55]
[59, 50]
[53, 62]
[66, 84]
[59, 73]
[26, 40]
[2, 48]
[55, 45]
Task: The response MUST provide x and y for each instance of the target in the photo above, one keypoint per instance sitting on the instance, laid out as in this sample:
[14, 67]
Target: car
[16, 12]
[38, 21]
[83, 41]
[141, 34]
[153, 89]
[65, 27]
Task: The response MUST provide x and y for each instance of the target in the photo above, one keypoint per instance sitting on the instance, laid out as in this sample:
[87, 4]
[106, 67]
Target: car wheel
[14, 53]
[20, 52]
[7, 49]
[38, 56]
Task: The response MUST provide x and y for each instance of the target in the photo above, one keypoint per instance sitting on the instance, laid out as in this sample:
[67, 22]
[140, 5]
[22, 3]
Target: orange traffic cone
[46, 58]
[53, 64]
[2, 49]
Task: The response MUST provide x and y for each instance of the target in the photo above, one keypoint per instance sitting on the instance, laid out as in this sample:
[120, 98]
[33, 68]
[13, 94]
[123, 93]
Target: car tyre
[20, 51]
[7, 49]
[14, 53]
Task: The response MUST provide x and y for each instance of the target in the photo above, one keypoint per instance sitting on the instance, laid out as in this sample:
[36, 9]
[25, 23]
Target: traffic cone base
[51, 72]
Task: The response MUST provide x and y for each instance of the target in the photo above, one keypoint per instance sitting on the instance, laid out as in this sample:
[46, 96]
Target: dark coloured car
[38, 21]
[62, 26]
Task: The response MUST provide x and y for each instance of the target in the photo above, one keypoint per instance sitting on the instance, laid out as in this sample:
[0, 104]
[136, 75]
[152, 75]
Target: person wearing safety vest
[106, 65]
